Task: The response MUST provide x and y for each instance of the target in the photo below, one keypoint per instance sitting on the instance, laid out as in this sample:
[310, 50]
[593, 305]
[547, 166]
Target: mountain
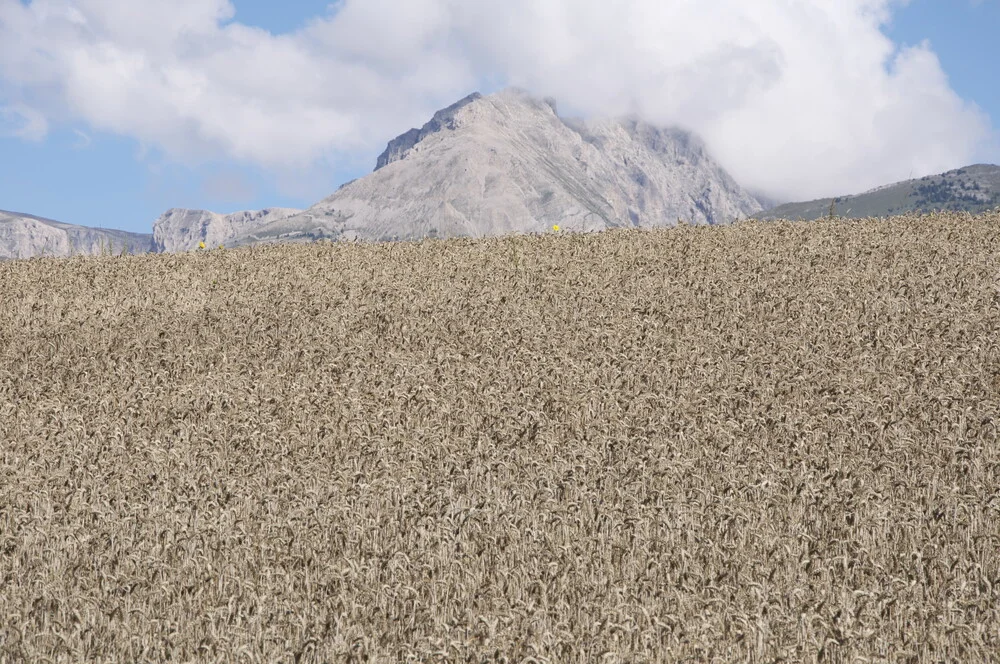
[25, 235]
[486, 165]
[973, 189]
[507, 163]
[181, 230]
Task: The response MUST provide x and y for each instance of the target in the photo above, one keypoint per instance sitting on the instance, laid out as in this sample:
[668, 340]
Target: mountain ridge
[180, 229]
[507, 163]
[24, 235]
[974, 188]
[402, 144]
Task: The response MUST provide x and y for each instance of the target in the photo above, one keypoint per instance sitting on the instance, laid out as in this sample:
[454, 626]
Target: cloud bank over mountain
[798, 100]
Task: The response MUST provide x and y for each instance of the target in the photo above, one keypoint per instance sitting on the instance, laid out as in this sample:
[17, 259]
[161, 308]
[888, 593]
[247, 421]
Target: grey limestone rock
[181, 230]
[402, 144]
[27, 236]
[486, 165]
[507, 163]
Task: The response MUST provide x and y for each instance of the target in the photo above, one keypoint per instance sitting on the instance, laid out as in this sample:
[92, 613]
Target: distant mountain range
[486, 165]
[971, 189]
[25, 235]
[508, 163]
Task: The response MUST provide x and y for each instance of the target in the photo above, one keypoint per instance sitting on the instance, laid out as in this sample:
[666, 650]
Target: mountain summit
[507, 163]
[486, 165]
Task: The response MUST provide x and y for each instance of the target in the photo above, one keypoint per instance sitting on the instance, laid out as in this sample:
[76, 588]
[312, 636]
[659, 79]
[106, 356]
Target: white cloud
[799, 99]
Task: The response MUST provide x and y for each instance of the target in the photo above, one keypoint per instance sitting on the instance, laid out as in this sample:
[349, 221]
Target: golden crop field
[757, 443]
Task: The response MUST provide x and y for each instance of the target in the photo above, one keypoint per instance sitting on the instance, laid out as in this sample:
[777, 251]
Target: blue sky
[97, 162]
[964, 35]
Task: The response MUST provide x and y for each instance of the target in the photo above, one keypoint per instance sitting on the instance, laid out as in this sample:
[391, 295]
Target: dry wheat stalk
[751, 443]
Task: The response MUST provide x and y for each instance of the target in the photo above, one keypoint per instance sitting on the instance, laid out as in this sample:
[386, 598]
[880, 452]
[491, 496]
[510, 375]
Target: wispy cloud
[21, 121]
[83, 140]
[798, 99]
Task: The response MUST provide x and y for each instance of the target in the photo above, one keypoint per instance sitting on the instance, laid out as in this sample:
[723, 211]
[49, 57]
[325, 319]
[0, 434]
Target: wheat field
[765, 442]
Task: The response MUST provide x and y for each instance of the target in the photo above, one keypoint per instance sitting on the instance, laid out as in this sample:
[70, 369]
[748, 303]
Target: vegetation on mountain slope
[973, 189]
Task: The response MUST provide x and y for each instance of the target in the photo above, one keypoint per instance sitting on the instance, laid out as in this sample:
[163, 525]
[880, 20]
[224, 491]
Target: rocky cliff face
[507, 163]
[182, 230]
[442, 120]
[26, 236]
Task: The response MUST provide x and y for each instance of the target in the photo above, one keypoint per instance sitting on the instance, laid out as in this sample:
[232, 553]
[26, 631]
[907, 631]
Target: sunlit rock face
[26, 236]
[507, 163]
[181, 230]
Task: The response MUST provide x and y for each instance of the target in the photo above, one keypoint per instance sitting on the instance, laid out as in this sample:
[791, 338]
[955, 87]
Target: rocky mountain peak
[507, 163]
[486, 165]
[442, 120]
